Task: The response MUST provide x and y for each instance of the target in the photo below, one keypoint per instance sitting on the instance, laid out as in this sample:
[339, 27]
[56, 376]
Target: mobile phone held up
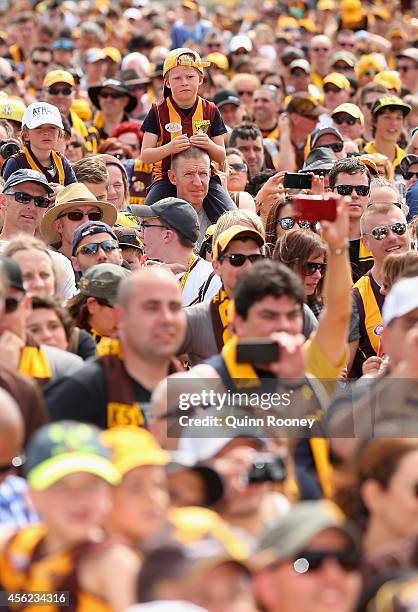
[296, 180]
[257, 351]
[314, 208]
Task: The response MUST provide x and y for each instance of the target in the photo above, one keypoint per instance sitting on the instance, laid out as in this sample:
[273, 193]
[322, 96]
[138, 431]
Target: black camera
[7, 149]
[267, 467]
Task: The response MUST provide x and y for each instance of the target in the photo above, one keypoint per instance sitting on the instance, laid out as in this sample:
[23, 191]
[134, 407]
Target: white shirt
[197, 277]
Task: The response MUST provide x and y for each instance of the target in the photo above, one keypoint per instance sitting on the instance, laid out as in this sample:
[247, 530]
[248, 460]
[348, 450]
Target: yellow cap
[382, 12]
[133, 447]
[337, 79]
[125, 219]
[389, 79]
[184, 57]
[325, 5]
[284, 22]
[233, 233]
[307, 24]
[219, 59]
[190, 4]
[368, 62]
[58, 76]
[351, 109]
[393, 102]
[12, 109]
[113, 53]
[397, 32]
[82, 108]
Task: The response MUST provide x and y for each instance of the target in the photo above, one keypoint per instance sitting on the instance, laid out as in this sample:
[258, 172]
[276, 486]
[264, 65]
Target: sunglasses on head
[382, 231]
[337, 147]
[74, 144]
[11, 304]
[110, 94]
[340, 119]
[38, 62]
[312, 560]
[238, 259]
[347, 190]
[55, 91]
[310, 267]
[409, 175]
[287, 223]
[27, 198]
[77, 215]
[93, 247]
[238, 167]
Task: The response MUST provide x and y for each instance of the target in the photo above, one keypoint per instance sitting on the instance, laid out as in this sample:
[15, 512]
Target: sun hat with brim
[235, 232]
[59, 449]
[131, 77]
[318, 159]
[118, 86]
[74, 195]
[390, 102]
[133, 447]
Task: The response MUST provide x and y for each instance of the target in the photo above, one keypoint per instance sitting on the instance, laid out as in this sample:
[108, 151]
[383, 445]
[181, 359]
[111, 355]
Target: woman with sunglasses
[76, 147]
[280, 221]
[237, 177]
[304, 253]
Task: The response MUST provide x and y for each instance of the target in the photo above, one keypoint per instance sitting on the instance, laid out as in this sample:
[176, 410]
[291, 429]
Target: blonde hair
[23, 242]
[237, 217]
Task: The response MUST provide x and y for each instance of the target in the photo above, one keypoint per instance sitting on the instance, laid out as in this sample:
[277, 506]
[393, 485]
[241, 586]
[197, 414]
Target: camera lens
[9, 149]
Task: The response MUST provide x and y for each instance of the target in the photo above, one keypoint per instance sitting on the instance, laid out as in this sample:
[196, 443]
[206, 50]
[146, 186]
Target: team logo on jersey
[138, 186]
[173, 127]
[201, 125]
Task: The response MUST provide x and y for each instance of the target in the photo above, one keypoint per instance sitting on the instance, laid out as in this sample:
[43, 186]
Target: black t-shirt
[151, 123]
[83, 396]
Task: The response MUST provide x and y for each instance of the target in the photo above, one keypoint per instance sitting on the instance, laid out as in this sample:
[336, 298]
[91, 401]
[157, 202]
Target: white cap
[402, 298]
[241, 41]
[41, 113]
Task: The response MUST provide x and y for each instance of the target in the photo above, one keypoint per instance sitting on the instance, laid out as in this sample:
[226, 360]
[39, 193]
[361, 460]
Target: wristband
[338, 250]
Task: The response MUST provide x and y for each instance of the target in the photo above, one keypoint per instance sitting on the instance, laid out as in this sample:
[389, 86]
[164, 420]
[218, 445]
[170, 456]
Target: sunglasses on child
[55, 91]
[313, 560]
[347, 190]
[382, 231]
[27, 198]
[341, 119]
[77, 215]
[93, 247]
[310, 267]
[287, 223]
[238, 259]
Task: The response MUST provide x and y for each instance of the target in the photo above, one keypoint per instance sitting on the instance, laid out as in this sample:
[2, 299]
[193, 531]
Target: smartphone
[296, 180]
[314, 208]
[258, 351]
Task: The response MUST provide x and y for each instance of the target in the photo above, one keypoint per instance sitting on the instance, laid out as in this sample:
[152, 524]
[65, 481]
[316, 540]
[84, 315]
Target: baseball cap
[321, 158]
[184, 57]
[294, 531]
[102, 281]
[95, 55]
[12, 109]
[406, 162]
[302, 103]
[350, 109]
[226, 96]
[41, 113]
[410, 53]
[13, 273]
[389, 79]
[337, 79]
[316, 134]
[367, 63]
[63, 448]
[219, 59]
[58, 76]
[90, 228]
[113, 54]
[178, 213]
[129, 237]
[393, 102]
[401, 299]
[302, 64]
[241, 41]
[24, 175]
[63, 43]
[325, 5]
[343, 56]
[233, 233]
[133, 447]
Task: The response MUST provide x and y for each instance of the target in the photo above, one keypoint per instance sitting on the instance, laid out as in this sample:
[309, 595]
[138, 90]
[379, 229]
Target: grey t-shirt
[204, 223]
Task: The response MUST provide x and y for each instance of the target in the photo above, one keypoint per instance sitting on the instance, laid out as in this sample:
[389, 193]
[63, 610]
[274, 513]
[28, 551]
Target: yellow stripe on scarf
[34, 363]
[320, 453]
[57, 162]
[243, 374]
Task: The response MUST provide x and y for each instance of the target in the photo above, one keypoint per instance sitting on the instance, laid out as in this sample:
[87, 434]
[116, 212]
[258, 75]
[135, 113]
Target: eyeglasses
[238, 167]
[39, 62]
[347, 190]
[27, 198]
[409, 175]
[11, 304]
[244, 93]
[287, 223]
[309, 268]
[74, 144]
[238, 259]
[337, 147]
[78, 215]
[145, 225]
[312, 560]
[55, 91]
[93, 247]
[340, 119]
[331, 89]
[382, 232]
[15, 463]
[110, 94]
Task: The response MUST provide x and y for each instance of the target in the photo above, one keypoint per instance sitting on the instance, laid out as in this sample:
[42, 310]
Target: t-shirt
[204, 223]
[152, 125]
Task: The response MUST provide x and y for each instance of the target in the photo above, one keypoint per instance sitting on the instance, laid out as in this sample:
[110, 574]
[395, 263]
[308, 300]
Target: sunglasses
[337, 147]
[238, 167]
[214, 45]
[11, 304]
[93, 247]
[111, 94]
[339, 120]
[347, 45]
[313, 560]
[318, 49]
[74, 144]
[238, 259]
[287, 223]
[309, 268]
[27, 198]
[409, 175]
[331, 89]
[77, 215]
[15, 463]
[55, 91]
[347, 190]
[382, 232]
[37, 62]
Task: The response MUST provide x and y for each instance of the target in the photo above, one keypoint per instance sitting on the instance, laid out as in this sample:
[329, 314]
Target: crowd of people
[209, 306]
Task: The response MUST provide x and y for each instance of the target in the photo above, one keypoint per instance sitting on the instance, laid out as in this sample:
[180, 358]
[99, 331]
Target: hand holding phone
[297, 180]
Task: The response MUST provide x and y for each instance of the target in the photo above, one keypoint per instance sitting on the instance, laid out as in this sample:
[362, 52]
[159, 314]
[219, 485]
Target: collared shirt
[16, 508]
